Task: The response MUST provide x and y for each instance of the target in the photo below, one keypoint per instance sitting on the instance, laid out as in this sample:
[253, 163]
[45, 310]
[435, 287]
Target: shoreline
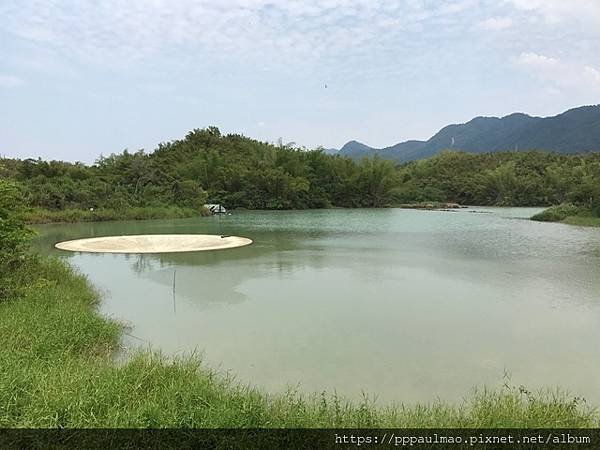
[580, 217]
[45, 216]
[37, 216]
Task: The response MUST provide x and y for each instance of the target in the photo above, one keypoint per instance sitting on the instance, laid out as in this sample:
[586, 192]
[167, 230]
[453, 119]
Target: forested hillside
[206, 166]
[240, 172]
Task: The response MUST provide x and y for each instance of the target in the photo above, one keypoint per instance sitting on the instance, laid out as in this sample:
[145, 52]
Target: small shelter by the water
[215, 208]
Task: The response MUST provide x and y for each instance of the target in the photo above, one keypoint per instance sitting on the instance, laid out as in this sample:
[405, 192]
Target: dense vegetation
[243, 173]
[503, 179]
[58, 370]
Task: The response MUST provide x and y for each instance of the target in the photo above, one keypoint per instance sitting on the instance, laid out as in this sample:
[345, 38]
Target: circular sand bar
[154, 243]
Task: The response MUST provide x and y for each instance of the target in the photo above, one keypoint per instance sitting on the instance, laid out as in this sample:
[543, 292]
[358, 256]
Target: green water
[406, 305]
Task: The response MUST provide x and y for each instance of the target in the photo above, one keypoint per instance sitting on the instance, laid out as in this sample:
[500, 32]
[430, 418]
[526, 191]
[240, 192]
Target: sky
[82, 78]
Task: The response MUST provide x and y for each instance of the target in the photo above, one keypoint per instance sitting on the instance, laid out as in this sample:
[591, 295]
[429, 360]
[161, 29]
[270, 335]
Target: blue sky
[80, 78]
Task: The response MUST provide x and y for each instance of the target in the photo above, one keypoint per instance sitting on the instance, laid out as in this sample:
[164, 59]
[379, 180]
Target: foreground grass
[39, 216]
[570, 214]
[57, 370]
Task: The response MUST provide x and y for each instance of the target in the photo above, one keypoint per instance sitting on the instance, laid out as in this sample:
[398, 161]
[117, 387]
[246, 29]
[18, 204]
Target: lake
[404, 305]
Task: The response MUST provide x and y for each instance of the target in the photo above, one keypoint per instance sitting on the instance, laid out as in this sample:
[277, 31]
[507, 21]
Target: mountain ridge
[576, 130]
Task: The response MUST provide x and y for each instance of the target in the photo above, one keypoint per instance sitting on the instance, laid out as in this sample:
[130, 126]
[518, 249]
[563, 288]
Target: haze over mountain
[574, 131]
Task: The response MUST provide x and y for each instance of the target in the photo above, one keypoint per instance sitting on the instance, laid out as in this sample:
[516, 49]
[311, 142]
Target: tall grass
[38, 216]
[57, 369]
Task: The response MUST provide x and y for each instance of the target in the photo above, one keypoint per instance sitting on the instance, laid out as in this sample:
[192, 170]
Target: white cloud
[538, 62]
[9, 81]
[561, 74]
[496, 23]
[592, 75]
[555, 11]
[113, 31]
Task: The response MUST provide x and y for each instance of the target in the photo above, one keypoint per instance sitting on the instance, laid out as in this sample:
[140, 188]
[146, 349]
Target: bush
[559, 213]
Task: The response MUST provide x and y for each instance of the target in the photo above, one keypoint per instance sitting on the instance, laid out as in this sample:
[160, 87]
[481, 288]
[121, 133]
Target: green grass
[585, 221]
[569, 214]
[58, 369]
[38, 216]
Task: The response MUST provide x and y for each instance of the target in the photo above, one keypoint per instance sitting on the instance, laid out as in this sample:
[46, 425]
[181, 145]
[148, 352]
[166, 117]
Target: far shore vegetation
[39, 215]
[179, 177]
[57, 355]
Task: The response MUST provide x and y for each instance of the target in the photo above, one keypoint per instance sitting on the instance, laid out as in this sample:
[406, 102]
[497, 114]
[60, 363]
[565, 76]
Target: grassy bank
[570, 214]
[39, 216]
[585, 221]
[58, 370]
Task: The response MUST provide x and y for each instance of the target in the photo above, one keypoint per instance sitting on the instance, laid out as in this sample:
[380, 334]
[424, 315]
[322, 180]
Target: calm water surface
[406, 305]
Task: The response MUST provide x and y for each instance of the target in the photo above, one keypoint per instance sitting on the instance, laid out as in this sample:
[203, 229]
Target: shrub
[14, 237]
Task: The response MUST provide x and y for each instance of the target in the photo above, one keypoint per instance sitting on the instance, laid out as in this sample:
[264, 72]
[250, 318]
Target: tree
[376, 178]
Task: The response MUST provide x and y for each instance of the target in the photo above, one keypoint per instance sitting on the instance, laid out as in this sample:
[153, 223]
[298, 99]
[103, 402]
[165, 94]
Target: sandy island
[154, 243]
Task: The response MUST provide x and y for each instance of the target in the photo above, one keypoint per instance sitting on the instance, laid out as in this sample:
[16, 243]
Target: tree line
[240, 172]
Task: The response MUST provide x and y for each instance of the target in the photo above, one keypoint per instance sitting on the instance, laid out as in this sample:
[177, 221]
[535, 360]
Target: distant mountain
[355, 149]
[574, 131]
